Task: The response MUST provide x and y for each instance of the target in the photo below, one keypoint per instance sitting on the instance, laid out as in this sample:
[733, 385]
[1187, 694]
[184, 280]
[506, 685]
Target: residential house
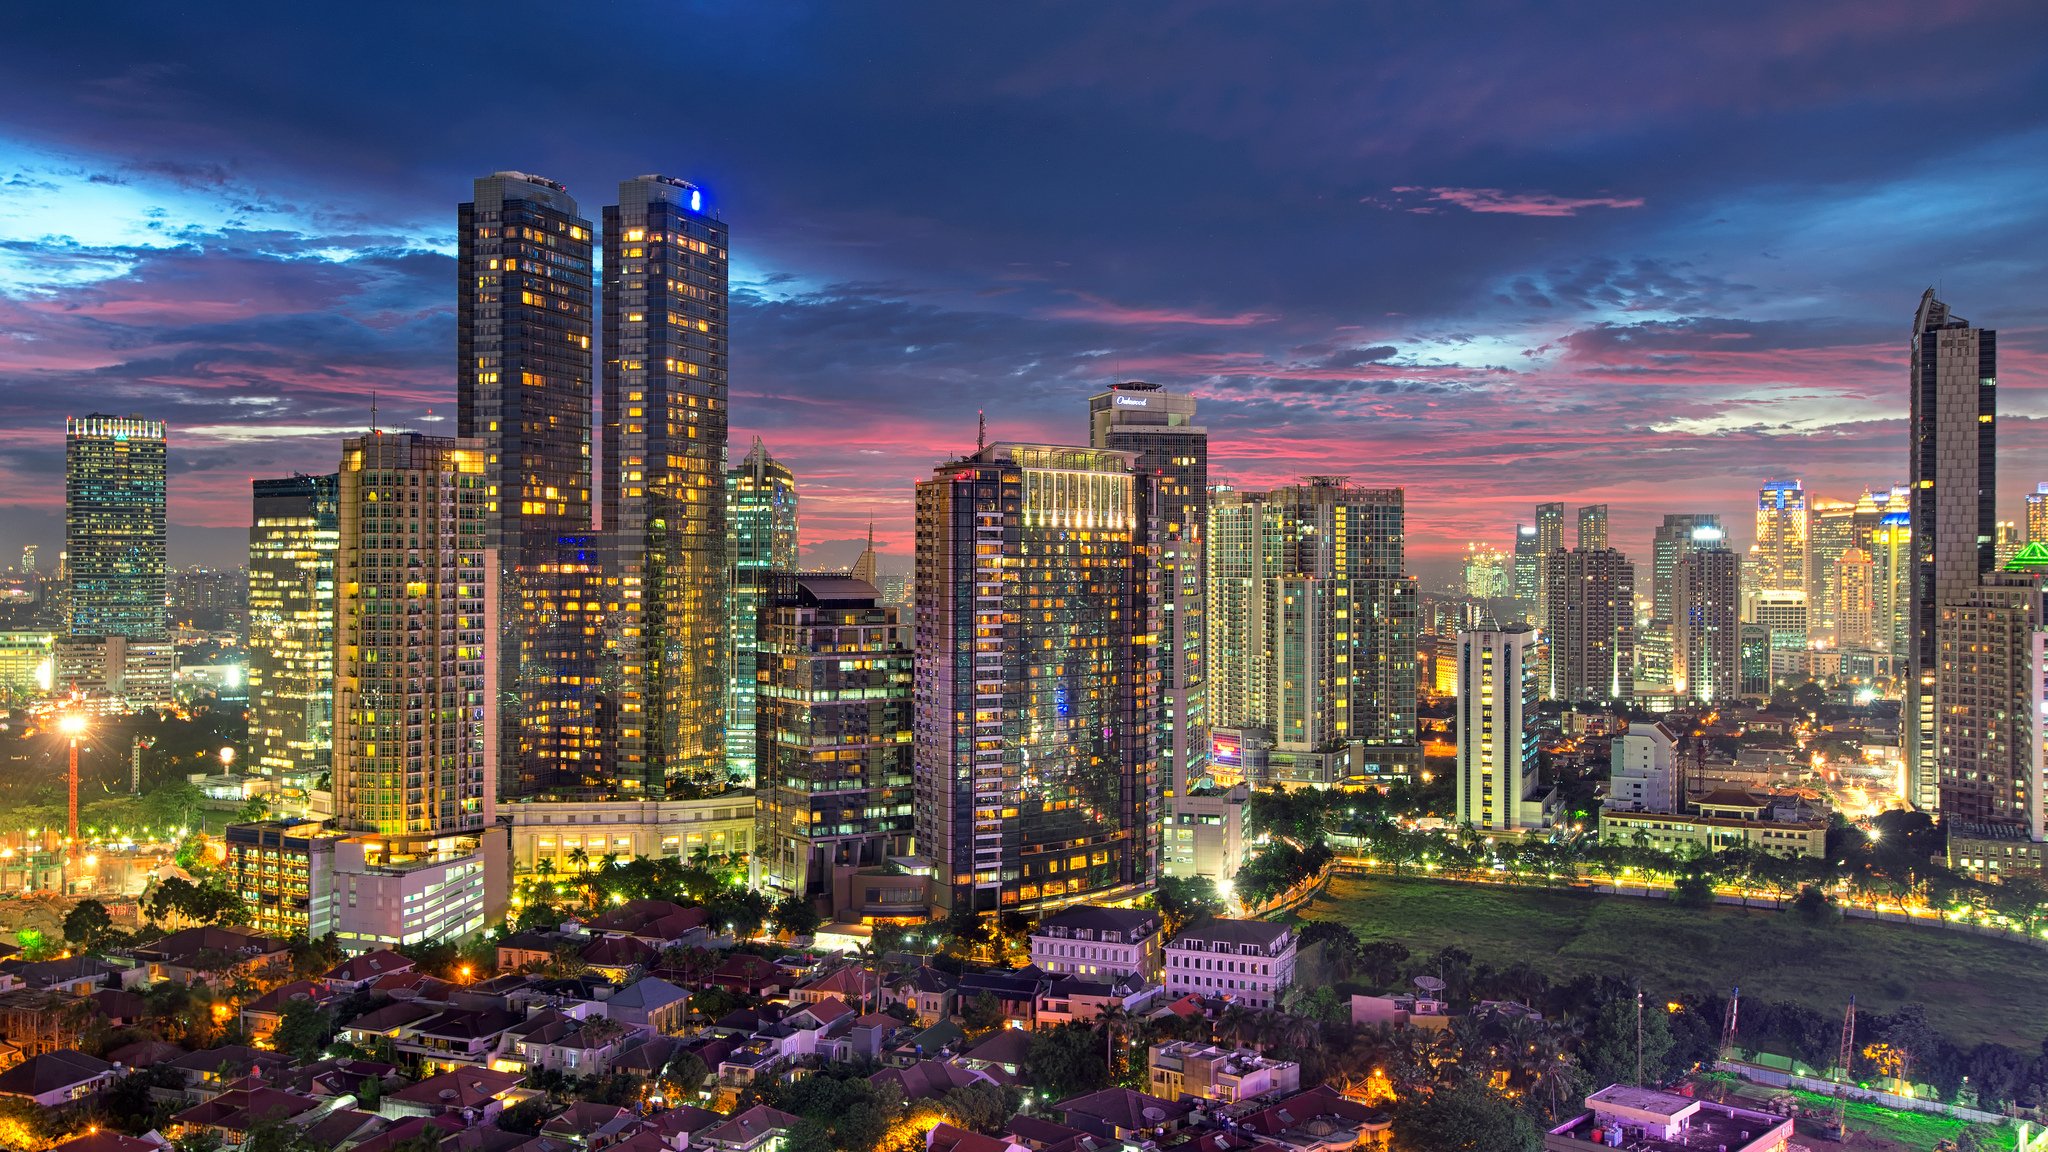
[1251, 961]
[929, 1079]
[854, 984]
[617, 958]
[71, 975]
[1121, 1114]
[211, 1071]
[455, 1038]
[261, 1016]
[211, 953]
[928, 992]
[750, 975]
[946, 1138]
[758, 1129]
[1001, 1055]
[229, 1116]
[344, 1128]
[37, 1021]
[1084, 940]
[649, 1002]
[658, 923]
[475, 1094]
[1422, 1010]
[679, 1126]
[108, 1140]
[524, 950]
[1318, 1120]
[562, 1043]
[591, 1126]
[360, 971]
[387, 1022]
[1184, 1068]
[1066, 999]
[118, 1006]
[1041, 1135]
[1015, 993]
[872, 1035]
[57, 1078]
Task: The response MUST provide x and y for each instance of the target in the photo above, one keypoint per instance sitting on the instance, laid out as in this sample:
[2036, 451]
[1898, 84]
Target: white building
[1497, 765]
[1250, 960]
[1645, 768]
[1205, 835]
[553, 831]
[391, 892]
[1083, 940]
[1188, 1068]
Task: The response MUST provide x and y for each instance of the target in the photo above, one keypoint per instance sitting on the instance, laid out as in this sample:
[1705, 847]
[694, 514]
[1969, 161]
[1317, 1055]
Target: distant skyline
[1647, 256]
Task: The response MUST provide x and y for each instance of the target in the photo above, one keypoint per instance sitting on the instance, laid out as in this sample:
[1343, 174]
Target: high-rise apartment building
[1591, 626]
[836, 771]
[1486, 572]
[1172, 449]
[1891, 574]
[1831, 531]
[1549, 542]
[523, 391]
[292, 540]
[664, 484]
[1497, 752]
[2006, 543]
[1037, 760]
[114, 525]
[1674, 539]
[1993, 692]
[1855, 600]
[760, 540]
[1783, 527]
[1706, 630]
[1313, 625]
[1592, 535]
[1528, 570]
[1953, 437]
[415, 693]
[2037, 515]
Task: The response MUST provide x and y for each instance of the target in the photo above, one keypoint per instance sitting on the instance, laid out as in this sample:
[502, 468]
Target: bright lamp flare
[72, 724]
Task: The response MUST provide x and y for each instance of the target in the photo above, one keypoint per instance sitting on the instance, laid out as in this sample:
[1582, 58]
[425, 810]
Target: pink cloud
[1105, 312]
[1498, 201]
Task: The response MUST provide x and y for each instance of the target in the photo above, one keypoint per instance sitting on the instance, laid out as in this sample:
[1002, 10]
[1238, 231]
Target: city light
[72, 724]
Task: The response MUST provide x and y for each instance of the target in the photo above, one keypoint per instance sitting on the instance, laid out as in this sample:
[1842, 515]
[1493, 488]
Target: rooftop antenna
[980, 430]
[373, 413]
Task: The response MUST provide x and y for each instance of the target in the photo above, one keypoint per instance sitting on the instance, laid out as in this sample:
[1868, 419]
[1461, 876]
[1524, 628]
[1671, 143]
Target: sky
[1650, 255]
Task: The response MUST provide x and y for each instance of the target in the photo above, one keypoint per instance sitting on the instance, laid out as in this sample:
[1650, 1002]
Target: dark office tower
[760, 540]
[1528, 570]
[1174, 451]
[1674, 539]
[1593, 527]
[1591, 628]
[292, 542]
[836, 783]
[1953, 437]
[1037, 767]
[114, 526]
[664, 484]
[523, 391]
[1706, 641]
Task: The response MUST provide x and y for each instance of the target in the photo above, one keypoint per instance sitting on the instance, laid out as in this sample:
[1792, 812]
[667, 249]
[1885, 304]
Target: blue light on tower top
[696, 199]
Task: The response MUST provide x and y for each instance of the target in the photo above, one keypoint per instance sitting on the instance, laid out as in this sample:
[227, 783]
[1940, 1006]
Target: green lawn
[1974, 989]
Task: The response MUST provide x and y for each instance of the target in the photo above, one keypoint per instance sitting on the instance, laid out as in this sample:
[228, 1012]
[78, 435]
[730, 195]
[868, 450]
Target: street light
[72, 725]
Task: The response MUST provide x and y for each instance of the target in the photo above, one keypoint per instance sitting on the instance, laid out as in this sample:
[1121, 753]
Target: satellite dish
[1429, 983]
[1154, 1115]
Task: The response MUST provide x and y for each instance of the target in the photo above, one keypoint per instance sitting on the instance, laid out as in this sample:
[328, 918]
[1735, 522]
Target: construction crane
[1838, 1122]
[1728, 1025]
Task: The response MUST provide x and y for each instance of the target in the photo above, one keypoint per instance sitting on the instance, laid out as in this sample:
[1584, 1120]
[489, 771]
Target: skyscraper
[523, 391]
[1528, 570]
[1992, 693]
[1831, 531]
[1782, 529]
[2037, 514]
[1591, 627]
[1891, 562]
[1497, 752]
[1549, 542]
[760, 539]
[1486, 572]
[1706, 632]
[1855, 600]
[1313, 624]
[664, 484]
[292, 541]
[1953, 438]
[836, 769]
[114, 525]
[1592, 527]
[1173, 450]
[1037, 766]
[1675, 539]
[415, 688]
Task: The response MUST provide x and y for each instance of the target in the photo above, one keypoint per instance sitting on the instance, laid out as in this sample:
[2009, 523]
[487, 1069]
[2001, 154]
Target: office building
[1783, 528]
[1672, 541]
[1313, 626]
[2037, 515]
[1855, 600]
[1249, 961]
[1172, 448]
[1591, 627]
[560, 836]
[1528, 571]
[664, 485]
[1037, 761]
[523, 392]
[1592, 535]
[836, 776]
[1549, 542]
[1706, 635]
[114, 525]
[760, 540]
[1486, 573]
[1785, 614]
[1497, 752]
[1891, 573]
[1953, 438]
[1644, 771]
[1831, 531]
[415, 738]
[292, 540]
[2006, 544]
[1085, 940]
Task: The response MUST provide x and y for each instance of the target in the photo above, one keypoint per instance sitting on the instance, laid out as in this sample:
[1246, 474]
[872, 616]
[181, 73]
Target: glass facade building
[292, 541]
[114, 525]
[760, 540]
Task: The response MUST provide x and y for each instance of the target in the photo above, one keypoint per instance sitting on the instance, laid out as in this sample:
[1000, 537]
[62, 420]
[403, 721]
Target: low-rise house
[872, 1035]
[679, 1126]
[108, 1140]
[853, 983]
[649, 1002]
[1623, 1116]
[1318, 1120]
[930, 994]
[523, 950]
[947, 1138]
[658, 923]
[118, 1006]
[758, 1129]
[57, 1078]
[210, 953]
[210, 1071]
[231, 1115]
[1121, 1114]
[344, 1128]
[617, 957]
[562, 1043]
[750, 975]
[1422, 1010]
[1067, 999]
[387, 1022]
[1002, 1055]
[261, 1016]
[1014, 993]
[360, 971]
[929, 1079]
[1084, 940]
[1041, 1135]
[38, 1021]
[71, 975]
[455, 1038]
[591, 1126]
[475, 1094]
[442, 1131]
[1206, 1071]
[941, 1040]
[1250, 960]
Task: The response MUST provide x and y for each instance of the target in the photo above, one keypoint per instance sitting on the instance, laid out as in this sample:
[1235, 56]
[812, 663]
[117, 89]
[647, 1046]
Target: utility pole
[1639, 1037]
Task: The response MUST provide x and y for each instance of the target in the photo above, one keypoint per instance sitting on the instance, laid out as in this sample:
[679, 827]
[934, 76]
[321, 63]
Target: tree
[88, 925]
[526, 1117]
[1466, 1118]
[1185, 900]
[1693, 890]
[983, 1014]
[1608, 1047]
[303, 1029]
[35, 944]
[1813, 906]
[797, 916]
[804, 1136]
[1066, 1060]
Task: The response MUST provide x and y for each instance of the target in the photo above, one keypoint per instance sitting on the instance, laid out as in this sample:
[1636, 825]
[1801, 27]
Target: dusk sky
[1646, 254]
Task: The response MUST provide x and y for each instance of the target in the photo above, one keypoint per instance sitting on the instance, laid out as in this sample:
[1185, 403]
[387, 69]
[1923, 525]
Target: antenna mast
[980, 429]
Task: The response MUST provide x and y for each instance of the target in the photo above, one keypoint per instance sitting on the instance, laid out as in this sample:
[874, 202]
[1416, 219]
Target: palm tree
[1236, 1025]
[1113, 1021]
[579, 858]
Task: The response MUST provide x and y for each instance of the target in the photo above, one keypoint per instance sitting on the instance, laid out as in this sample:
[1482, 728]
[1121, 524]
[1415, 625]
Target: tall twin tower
[609, 651]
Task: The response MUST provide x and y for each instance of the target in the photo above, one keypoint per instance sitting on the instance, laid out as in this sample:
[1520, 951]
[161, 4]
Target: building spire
[868, 566]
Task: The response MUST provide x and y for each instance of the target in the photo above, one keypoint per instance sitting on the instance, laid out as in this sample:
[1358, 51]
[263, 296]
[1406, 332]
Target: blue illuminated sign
[696, 200]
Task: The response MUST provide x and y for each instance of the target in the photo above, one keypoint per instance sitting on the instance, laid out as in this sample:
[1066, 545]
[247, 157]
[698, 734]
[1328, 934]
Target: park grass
[1974, 989]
